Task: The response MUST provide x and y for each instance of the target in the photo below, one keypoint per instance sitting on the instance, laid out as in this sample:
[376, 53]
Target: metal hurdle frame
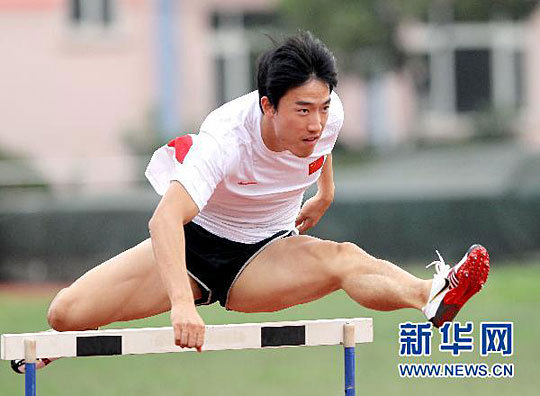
[110, 342]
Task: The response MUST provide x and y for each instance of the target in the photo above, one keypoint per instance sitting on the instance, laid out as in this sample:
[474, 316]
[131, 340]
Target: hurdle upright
[109, 342]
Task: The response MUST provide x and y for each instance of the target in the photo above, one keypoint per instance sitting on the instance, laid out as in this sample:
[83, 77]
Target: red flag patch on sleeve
[181, 146]
[316, 165]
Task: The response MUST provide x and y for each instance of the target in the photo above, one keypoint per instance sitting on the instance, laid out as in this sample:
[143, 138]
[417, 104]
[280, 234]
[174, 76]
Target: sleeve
[334, 123]
[337, 114]
[198, 162]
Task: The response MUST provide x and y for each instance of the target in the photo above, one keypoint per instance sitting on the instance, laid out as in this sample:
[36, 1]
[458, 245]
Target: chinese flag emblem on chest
[316, 165]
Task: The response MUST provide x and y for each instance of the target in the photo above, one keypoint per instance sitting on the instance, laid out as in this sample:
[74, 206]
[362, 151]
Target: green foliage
[348, 26]
[483, 10]
[18, 172]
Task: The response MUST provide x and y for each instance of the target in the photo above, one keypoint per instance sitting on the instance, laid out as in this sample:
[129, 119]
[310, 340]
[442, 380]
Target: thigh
[126, 287]
[288, 272]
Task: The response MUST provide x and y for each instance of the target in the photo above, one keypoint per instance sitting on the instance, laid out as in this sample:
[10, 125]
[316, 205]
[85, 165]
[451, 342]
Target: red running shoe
[19, 366]
[453, 287]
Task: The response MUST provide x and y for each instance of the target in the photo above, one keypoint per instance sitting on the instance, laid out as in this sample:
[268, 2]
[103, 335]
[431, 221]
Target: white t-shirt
[244, 191]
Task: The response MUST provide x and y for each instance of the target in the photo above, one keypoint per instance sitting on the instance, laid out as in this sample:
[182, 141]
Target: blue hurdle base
[30, 379]
[350, 370]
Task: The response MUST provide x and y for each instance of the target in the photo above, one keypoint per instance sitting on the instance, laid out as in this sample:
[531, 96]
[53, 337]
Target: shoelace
[440, 264]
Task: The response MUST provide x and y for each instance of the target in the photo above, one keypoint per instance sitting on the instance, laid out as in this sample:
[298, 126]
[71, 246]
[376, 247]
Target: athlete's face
[300, 117]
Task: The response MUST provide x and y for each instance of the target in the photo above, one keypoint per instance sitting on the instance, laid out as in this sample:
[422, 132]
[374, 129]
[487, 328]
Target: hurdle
[137, 341]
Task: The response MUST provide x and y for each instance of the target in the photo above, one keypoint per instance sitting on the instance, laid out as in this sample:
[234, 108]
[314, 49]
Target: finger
[192, 337]
[184, 336]
[304, 226]
[200, 340]
[308, 224]
[312, 223]
[299, 220]
[177, 336]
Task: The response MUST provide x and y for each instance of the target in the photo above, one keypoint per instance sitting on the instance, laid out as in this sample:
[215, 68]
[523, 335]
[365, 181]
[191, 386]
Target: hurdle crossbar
[161, 340]
[110, 342]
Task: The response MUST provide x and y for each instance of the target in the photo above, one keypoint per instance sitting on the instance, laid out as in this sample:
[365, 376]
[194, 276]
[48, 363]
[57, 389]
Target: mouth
[311, 139]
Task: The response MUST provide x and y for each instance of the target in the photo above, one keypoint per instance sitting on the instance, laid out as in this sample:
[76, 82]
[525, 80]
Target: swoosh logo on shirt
[446, 284]
[247, 183]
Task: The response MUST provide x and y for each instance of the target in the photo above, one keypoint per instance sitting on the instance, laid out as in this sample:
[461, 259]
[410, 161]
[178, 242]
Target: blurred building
[82, 78]
[464, 71]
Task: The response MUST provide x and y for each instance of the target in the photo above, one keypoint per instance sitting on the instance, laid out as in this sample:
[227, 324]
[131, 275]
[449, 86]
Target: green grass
[512, 294]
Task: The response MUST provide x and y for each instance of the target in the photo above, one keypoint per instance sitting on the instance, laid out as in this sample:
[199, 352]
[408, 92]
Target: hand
[312, 211]
[188, 326]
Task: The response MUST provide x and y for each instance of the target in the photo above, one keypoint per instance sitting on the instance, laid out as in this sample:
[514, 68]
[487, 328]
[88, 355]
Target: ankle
[424, 292]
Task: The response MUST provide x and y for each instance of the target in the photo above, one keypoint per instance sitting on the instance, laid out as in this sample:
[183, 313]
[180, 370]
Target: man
[225, 229]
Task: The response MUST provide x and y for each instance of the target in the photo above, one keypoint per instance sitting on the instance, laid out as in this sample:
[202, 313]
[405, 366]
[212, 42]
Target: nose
[315, 123]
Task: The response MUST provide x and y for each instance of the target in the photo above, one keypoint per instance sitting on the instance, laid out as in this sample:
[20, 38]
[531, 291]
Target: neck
[268, 135]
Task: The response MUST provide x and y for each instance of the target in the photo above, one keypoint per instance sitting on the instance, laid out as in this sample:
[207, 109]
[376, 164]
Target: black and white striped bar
[161, 340]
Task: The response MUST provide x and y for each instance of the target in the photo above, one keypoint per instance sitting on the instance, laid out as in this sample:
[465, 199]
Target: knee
[58, 313]
[350, 254]
[338, 259]
[350, 258]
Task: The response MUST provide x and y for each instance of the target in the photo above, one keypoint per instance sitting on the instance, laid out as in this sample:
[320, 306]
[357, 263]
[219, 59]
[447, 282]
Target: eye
[326, 108]
[303, 111]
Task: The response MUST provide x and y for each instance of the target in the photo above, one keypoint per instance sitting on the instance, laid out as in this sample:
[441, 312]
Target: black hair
[297, 60]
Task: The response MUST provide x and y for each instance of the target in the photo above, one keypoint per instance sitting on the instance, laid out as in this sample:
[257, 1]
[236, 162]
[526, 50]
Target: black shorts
[215, 263]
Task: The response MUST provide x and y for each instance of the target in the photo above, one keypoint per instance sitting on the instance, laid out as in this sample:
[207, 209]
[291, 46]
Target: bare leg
[388, 289]
[300, 269]
[123, 288]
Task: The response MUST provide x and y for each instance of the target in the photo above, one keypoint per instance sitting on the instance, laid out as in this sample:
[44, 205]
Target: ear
[267, 107]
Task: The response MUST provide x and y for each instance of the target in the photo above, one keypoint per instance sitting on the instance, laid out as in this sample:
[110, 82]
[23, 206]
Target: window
[465, 68]
[473, 79]
[96, 13]
[239, 38]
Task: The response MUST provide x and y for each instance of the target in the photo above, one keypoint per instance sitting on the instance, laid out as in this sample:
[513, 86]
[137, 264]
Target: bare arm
[325, 184]
[315, 207]
[175, 209]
